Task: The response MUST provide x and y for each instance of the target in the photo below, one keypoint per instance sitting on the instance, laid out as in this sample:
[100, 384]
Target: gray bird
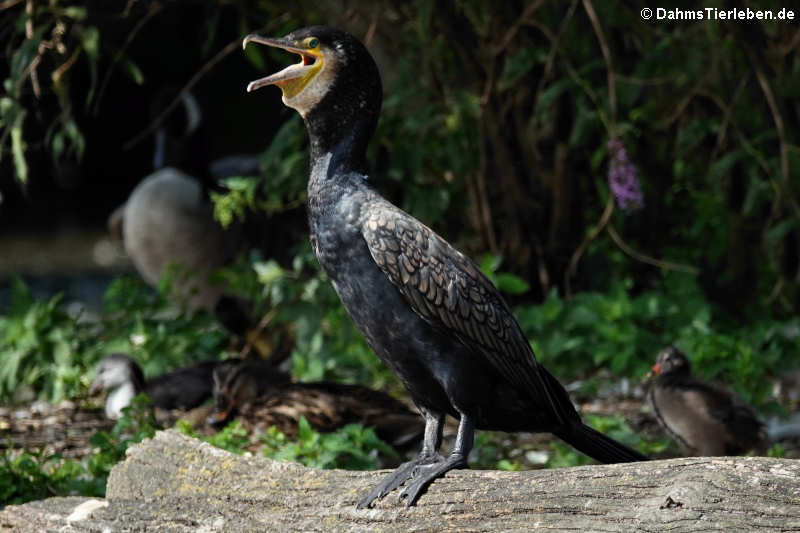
[703, 419]
[169, 220]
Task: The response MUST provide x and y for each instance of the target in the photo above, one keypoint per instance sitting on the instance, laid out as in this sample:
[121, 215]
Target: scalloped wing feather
[448, 290]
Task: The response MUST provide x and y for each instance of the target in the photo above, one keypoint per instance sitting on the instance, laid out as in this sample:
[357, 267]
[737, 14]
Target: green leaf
[18, 150]
[268, 272]
[90, 38]
[489, 263]
[132, 70]
[512, 284]
[75, 12]
[517, 66]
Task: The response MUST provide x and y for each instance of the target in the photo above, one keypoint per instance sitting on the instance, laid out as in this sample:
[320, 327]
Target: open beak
[293, 78]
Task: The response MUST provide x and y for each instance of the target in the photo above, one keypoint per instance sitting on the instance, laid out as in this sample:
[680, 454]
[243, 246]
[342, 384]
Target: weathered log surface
[173, 483]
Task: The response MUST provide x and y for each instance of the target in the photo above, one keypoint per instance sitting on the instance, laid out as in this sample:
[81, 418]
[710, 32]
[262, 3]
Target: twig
[512, 31]
[576, 255]
[576, 78]
[791, 45]
[65, 66]
[154, 8]
[686, 100]
[746, 144]
[230, 47]
[776, 117]
[36, 60]
[646, 258]
[632, 80]
[484, 209]
[9, 4]
[726, 119]
[252, 335]
[373, 25]
[598, 29]
[775, 292]
[555, 42]
[603, 224]
[128, 6]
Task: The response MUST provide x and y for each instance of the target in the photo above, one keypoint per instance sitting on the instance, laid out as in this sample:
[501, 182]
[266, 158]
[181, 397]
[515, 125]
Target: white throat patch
[305, 100]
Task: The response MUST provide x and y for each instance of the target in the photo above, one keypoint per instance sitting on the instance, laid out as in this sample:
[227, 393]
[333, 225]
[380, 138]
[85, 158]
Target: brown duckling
[184, 388]
[264, 397]
[704, 419]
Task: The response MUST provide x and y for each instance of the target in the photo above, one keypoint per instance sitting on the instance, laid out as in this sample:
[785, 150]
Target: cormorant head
[332, 60]
[114, 371]
[670, 360]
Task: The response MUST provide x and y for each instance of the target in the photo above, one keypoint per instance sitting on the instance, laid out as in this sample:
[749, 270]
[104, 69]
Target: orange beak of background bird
[292, 77]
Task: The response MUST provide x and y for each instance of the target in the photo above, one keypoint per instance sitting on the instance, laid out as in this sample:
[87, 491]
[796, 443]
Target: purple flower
[622, 178]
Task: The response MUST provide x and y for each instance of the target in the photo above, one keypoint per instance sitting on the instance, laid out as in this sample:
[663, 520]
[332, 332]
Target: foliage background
[494, 131]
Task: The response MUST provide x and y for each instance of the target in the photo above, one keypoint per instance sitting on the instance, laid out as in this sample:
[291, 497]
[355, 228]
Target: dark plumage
[426, 309]
[184, 388]
[702, 418]
[264, 397]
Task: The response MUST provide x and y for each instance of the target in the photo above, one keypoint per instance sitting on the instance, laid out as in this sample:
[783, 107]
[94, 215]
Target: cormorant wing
[449, 291]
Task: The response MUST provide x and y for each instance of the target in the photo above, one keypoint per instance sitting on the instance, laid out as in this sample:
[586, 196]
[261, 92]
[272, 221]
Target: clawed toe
[424, 475]
[403, 473]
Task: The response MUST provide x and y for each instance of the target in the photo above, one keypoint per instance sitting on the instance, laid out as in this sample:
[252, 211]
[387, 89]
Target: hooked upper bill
[294, 78]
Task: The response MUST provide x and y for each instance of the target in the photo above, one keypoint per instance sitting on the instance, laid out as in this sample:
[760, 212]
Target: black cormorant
[425, 308]
[184, 388]
[702, 418]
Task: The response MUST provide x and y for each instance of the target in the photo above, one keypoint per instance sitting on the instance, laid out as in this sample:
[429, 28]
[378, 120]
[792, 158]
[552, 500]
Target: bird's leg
[425, 474]
[434, 423]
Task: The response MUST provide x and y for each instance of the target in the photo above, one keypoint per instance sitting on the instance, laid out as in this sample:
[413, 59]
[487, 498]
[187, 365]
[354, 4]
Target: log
[179, 484]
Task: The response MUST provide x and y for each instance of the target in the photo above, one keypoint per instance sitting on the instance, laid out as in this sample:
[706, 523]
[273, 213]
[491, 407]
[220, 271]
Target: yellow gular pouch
[305, 83]
[312, 63]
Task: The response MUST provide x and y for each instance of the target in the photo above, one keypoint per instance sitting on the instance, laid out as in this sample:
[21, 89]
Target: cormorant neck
[343, 138]
[120, 398]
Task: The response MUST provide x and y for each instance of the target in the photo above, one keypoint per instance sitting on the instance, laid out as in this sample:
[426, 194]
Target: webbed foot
[424, 475]
[403, 473]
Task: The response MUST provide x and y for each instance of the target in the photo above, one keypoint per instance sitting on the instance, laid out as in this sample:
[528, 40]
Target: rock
[173, 483]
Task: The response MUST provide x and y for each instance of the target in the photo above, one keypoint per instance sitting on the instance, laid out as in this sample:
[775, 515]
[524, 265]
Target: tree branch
[175, 483]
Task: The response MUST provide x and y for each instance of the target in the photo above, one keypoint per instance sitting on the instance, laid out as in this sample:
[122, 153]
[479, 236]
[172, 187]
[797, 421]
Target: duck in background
[705, 420]
[260, 396]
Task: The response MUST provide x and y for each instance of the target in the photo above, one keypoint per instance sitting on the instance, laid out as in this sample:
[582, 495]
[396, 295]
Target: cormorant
[702, 418]
[184, 388]
[424, 308]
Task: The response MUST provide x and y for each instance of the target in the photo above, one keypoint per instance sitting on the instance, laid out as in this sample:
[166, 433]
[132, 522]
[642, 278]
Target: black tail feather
[597, 445]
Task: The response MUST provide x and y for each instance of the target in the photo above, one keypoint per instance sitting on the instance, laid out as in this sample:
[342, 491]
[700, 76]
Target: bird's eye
[313, 42]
